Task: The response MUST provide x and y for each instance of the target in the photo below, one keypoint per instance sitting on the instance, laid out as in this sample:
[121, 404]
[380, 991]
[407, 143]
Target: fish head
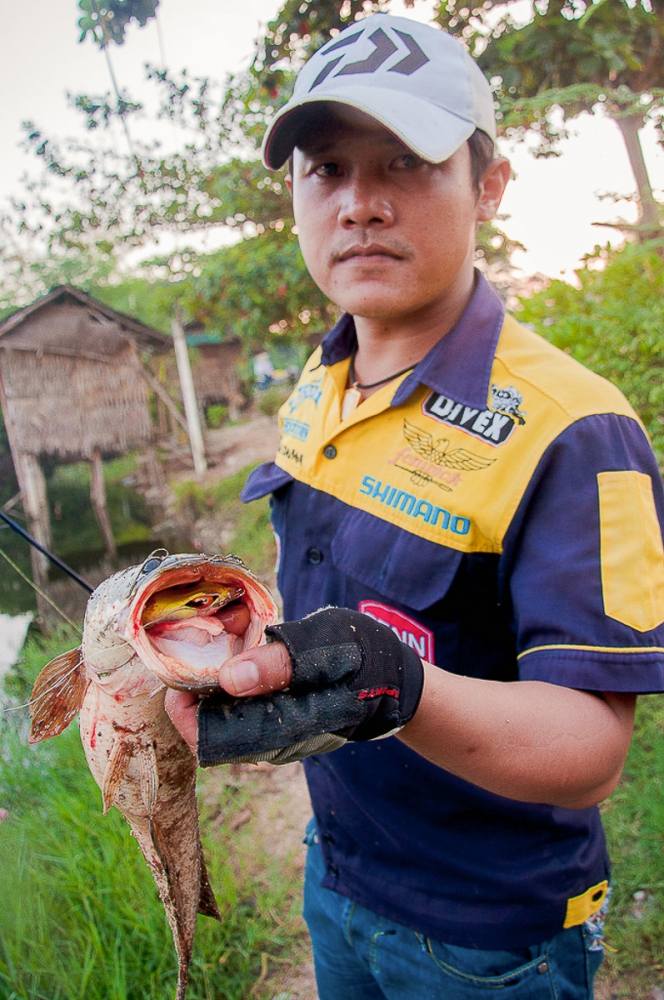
[110, 661]
[186, 614]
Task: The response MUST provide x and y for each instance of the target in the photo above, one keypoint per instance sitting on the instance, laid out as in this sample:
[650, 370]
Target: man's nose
[364, 203]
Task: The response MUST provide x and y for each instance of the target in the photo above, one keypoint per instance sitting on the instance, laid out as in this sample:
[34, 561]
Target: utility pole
[188, 394]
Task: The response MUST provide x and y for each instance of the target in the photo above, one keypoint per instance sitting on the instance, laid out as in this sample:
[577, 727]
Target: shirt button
[543, 967]
[330, 451]
[314, 556]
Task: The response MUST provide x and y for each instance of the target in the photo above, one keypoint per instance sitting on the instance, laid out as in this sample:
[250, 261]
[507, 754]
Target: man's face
[384, 234]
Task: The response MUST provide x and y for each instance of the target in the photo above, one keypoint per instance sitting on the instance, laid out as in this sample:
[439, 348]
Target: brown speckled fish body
[135, 754]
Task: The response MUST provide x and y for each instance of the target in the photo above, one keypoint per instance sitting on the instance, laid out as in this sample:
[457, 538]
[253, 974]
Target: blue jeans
[359, 955]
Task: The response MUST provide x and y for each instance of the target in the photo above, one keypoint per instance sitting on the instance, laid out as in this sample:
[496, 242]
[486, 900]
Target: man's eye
[326, 169]
[407, 161]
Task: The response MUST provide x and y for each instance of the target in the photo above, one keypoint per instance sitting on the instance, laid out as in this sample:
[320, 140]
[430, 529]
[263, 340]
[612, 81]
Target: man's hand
[347, 676]
[182, 709]
[256, 672]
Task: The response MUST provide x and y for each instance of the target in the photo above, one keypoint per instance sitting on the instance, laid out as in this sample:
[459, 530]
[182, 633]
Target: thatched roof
[71, 377]
[94, 329]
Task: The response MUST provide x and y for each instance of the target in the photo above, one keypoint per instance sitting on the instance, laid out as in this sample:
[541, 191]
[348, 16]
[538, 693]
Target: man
[477, 516]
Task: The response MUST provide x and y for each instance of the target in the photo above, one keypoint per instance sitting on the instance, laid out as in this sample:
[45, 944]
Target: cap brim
[429, 131]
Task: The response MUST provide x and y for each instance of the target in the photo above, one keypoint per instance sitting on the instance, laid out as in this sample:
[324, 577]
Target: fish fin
[149, 778]
[121, 753]
[57, 695]
[207, 904]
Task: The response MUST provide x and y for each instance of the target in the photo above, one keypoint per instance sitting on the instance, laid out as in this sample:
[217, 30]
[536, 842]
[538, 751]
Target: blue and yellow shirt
[499, 507]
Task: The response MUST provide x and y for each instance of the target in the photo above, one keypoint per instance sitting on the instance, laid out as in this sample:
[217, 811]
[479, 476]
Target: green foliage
[251, 535]
[573, 53]
[613, 323]
[80, 915]
[107, 20]
[76, 535]
[634, 820]
[150, 300]
[271, 399]
[260, 289]
[571, 56]
[216, 415]
[75, 528]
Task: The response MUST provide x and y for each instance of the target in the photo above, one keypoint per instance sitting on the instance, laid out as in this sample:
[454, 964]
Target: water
[18, 606]
[13, 632]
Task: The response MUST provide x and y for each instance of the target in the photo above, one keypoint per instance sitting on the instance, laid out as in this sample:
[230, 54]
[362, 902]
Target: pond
[19, 614]
[13, 630]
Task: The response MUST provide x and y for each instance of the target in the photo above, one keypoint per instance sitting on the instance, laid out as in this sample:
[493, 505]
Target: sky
[551, 204]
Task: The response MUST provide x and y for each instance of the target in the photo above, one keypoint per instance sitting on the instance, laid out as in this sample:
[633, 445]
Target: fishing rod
[44, 551]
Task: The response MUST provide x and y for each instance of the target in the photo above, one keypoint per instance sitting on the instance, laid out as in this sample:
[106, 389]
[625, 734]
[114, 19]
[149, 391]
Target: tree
[612, 322]
[106, 21]
[99, 197]
[575, 56]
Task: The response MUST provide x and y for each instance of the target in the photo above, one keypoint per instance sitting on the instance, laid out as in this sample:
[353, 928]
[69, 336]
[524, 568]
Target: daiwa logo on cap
[384, 49]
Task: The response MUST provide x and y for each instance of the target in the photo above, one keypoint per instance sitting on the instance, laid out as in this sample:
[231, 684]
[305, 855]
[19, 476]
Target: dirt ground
[268, 826]
[230, 449]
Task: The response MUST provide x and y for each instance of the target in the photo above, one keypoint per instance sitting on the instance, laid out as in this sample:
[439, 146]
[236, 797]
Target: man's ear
[492, 187]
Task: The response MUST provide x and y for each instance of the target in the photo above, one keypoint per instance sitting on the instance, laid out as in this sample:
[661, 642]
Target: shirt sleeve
[583, 562]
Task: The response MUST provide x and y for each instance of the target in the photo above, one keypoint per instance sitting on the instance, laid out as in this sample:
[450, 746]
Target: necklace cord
[381, 381]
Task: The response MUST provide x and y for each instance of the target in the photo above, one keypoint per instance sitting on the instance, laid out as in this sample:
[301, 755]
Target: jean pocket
[310, 833]
[524, 974]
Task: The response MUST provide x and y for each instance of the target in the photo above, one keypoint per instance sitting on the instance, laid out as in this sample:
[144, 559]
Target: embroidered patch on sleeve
[632, 555]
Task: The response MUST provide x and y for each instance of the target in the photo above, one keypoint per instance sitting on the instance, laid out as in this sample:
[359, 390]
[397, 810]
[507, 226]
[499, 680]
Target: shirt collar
[458, 366]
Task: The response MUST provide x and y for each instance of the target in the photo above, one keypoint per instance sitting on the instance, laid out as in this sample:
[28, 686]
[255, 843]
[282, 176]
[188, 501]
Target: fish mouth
[186, 646]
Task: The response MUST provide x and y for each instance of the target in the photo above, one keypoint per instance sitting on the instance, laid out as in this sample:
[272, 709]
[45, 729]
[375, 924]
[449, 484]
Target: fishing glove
[352, 680]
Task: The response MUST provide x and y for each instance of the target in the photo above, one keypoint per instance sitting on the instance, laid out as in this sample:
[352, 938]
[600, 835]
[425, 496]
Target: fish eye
[154, 560]
[149, 565]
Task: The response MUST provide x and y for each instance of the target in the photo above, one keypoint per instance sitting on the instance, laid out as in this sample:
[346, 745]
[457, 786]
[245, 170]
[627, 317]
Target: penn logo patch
[411, 633]
[493, 425]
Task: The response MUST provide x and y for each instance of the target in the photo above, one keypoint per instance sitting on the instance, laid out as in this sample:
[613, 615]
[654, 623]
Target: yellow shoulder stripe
[593, 649]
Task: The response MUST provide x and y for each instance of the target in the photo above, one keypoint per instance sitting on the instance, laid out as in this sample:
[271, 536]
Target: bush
[271, 399]
[216, 415]
[613, 323]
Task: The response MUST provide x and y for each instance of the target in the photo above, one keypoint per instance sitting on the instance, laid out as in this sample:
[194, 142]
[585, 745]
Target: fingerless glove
[353, 679]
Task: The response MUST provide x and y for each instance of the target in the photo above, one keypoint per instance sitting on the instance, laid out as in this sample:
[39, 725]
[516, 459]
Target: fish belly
[143, 767]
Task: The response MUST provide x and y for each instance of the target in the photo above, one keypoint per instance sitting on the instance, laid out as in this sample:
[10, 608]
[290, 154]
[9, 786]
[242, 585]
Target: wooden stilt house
[73, 386]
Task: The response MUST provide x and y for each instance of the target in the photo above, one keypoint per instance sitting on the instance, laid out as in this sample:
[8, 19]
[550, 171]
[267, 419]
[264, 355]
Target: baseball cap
[416, 80]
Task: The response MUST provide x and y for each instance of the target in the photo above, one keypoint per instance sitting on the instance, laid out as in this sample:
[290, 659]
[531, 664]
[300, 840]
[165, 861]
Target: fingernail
[243, 677]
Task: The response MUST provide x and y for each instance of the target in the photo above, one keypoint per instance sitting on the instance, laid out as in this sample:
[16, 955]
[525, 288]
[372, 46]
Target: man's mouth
[375, 250]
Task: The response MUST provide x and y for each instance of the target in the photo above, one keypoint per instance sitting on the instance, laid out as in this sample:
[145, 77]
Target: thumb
[257, 671]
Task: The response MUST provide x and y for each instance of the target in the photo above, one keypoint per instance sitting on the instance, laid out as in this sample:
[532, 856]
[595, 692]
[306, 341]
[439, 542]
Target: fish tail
[183, 979]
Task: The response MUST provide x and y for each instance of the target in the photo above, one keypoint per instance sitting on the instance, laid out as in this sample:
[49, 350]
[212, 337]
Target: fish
[169, 622]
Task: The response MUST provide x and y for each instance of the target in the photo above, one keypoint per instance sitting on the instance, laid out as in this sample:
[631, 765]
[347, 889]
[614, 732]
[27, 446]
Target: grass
[634, 822]
[80, 918]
